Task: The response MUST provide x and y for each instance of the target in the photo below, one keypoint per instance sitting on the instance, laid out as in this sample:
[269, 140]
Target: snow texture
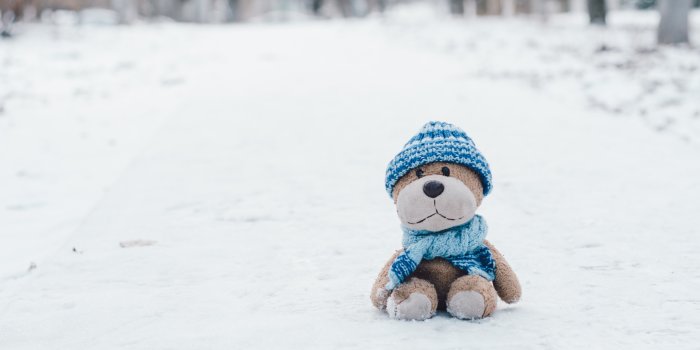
[254, 155]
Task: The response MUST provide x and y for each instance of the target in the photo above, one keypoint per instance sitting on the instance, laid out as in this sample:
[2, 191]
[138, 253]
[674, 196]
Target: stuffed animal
[437, 182]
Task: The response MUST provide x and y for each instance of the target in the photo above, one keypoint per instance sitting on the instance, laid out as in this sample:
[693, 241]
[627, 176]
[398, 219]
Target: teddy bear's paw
[467, 305]
[381, 296]
[416, 307]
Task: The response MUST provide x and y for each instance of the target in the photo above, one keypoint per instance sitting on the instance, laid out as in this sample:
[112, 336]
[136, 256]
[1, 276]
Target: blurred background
[220, 11]
[179, 174]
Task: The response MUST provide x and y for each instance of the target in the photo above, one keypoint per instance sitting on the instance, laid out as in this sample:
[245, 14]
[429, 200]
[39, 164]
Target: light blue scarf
[463, 246]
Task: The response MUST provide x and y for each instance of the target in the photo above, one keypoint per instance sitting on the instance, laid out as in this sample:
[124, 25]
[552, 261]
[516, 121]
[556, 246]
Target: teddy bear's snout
[435, 203]
[433, 189]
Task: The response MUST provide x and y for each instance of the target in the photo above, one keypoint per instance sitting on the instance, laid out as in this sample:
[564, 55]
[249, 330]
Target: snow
[174, 186]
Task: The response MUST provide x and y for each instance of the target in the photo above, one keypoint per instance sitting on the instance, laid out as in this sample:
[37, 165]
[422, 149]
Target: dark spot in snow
[268, 57]
[605, 48]
[172, 81]
[646, 50]
[136, 243]
[24, 206]
[124, 66]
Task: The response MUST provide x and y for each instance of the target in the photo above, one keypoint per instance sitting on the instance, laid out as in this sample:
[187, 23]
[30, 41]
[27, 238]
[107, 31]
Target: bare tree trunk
[127, 10]
[316, 6]
[597, 11]
[203, 11]
[577, 6]
[457, 7]
[471, 8]
[234, 8]
[346, 7]
[541, 9]
[673, 26]
[508, 9]
[177, 8]
[493, 7]
[7, 18]
[376, 5]
[10, 11]
[381, 5]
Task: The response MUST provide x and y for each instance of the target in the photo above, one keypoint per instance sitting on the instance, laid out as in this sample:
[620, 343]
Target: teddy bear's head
[439, 179]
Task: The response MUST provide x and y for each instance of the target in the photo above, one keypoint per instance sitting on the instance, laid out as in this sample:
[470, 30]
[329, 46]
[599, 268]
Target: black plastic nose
[433, 189]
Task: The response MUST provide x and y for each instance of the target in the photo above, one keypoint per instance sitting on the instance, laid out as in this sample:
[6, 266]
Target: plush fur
[438, 280]
[410, 289]
[462, 173]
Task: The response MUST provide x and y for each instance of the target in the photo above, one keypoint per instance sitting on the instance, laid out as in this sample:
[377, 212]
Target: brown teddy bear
[437, 182]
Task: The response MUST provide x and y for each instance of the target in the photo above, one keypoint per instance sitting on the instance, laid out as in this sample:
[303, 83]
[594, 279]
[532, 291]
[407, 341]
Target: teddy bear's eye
[445, 171]
[419, 173]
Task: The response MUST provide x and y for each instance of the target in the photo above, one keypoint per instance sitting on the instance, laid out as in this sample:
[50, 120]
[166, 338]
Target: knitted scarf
[463, 246]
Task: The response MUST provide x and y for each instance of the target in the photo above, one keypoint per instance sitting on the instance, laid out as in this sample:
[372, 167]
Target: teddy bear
[437, 182]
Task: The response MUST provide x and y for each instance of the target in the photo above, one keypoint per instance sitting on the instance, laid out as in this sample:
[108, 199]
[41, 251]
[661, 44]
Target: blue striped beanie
[438, 142]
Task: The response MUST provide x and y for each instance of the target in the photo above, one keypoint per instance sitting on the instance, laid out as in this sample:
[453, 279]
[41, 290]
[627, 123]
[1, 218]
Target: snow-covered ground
[249, 160]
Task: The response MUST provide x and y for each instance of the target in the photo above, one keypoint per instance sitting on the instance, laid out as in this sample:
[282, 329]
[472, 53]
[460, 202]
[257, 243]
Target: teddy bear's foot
[467, 305]
[471, 297]
[415, 307]
[415, 299]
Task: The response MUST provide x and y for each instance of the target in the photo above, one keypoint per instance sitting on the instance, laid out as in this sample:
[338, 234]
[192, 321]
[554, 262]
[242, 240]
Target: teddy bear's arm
[506, 282]
[379, 294]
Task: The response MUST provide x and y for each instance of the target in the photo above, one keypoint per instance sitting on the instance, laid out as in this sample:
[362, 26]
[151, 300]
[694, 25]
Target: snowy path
[263, 191]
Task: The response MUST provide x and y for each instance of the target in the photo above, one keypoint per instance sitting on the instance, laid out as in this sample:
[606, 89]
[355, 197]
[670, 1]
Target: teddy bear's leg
[471, 297]
[415, 299]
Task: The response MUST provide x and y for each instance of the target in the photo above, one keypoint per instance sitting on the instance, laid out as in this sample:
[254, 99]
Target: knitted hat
[438, 142]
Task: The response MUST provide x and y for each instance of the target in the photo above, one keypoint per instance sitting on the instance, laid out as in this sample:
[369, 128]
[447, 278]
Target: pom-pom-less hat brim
[438, 142]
